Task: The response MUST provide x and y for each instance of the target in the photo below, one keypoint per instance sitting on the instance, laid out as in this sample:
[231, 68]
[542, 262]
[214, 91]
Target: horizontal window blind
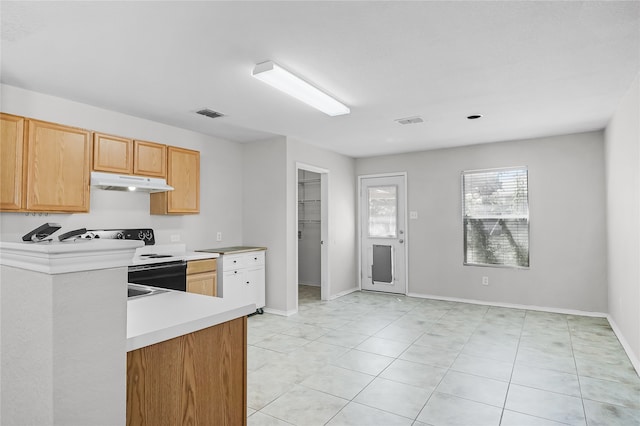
[496, 217]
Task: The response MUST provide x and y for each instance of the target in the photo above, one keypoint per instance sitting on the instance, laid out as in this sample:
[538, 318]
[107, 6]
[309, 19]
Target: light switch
[413, 215]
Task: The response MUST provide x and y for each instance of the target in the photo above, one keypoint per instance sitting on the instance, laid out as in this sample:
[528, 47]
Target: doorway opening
[312, 231]
[383, 233]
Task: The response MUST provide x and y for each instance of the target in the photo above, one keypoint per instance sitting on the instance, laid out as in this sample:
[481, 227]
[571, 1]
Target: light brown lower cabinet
[196, 379]
[202, 277]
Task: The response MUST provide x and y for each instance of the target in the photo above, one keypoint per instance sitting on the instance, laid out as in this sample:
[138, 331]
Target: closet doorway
[312, 232]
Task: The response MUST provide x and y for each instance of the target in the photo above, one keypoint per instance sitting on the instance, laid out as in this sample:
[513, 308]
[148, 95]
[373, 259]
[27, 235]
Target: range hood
[115, 182]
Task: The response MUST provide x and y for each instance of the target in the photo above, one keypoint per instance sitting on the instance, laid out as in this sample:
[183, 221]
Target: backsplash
[109, 209]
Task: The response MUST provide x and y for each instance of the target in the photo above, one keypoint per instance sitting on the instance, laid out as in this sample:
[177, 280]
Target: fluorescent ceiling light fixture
[276, 76]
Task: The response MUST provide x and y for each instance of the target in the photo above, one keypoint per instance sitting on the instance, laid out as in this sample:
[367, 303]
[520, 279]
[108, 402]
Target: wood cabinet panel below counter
[202, 277]
[198, 379]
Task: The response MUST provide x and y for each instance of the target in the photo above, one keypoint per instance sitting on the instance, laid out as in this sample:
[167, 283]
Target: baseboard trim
[627, 347]
[512, 305]
[281, 313]
[309, 284]
[344, 293]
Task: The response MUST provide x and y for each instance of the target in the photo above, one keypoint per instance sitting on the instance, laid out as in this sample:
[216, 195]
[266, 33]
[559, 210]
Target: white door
[382, 224]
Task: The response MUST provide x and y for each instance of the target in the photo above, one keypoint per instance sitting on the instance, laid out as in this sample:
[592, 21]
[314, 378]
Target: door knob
[401, 241]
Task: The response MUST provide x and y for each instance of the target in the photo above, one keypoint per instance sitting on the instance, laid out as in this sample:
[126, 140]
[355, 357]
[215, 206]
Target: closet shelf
[309, 221]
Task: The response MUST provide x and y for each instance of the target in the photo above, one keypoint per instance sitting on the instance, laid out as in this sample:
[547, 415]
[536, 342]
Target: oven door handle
[156, 266]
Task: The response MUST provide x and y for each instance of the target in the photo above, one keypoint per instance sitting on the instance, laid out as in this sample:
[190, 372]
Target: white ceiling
[530, 68]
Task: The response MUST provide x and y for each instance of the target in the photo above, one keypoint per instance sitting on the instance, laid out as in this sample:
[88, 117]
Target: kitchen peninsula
[75, 351]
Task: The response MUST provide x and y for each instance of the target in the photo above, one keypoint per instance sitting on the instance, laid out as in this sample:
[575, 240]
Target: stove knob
[120, 236]
[141, 235]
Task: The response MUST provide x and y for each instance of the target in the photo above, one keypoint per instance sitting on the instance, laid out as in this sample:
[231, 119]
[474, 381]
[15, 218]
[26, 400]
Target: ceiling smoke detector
[409, 120]
[210, 113]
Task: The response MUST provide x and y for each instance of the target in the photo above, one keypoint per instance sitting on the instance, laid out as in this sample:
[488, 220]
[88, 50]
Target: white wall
[567, 222]
[269, 215]
[342, 212]
[264, 213]
[220, 177]
[622, 149]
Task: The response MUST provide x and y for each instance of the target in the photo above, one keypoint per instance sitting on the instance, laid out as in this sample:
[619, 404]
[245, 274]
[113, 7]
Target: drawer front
[255, 258]
[199, 266]
[233, 261]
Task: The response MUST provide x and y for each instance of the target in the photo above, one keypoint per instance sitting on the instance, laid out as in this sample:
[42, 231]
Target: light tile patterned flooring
[378, 359]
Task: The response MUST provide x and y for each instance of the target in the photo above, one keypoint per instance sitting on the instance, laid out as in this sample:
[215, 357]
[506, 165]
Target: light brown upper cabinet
[183, 173]
[150, 159]
[58, 168]
[11, 157]
[112, 154]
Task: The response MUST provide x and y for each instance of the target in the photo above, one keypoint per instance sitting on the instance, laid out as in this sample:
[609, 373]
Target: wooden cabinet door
[58, 168]
[184, 176]
[11, 157]
[202, 277]
[112, 154]
[183, 173]
[150, 159]
[204, 283]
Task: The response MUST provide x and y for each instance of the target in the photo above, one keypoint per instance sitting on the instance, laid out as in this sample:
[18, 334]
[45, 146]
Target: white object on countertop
[177, 251]
[68, 256]
[159, 317]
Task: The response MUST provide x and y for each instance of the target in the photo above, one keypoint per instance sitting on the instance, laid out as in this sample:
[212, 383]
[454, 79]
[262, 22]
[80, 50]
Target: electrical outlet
[485, 280]
[413, 215]
[175, 238]
[219, 236]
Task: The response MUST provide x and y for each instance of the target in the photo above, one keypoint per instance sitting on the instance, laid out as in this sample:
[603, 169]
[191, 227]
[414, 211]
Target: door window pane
[383, 211]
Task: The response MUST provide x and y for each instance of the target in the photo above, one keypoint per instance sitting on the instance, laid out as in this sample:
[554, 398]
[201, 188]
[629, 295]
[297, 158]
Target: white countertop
[159, 317]
[55, 257]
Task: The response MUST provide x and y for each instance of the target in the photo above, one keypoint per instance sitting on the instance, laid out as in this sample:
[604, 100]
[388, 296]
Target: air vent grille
[210, 113]
[410, 120]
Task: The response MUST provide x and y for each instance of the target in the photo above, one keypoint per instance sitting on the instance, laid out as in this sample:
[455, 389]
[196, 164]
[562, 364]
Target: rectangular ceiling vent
[410, 120]
[210, 113]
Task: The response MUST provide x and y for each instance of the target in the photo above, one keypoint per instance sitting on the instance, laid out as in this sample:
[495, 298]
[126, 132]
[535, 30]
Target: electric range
[148, 268]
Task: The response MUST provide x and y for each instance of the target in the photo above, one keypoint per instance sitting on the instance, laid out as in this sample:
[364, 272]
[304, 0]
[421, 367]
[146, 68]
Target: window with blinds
[495, 213]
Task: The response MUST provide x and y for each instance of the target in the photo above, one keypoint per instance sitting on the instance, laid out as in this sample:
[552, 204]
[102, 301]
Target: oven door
[171, 275]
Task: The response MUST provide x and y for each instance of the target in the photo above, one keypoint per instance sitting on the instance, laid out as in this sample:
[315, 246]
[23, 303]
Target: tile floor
[378, 359]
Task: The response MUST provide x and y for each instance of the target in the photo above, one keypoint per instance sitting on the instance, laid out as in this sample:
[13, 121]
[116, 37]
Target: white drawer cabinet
[241, 276]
